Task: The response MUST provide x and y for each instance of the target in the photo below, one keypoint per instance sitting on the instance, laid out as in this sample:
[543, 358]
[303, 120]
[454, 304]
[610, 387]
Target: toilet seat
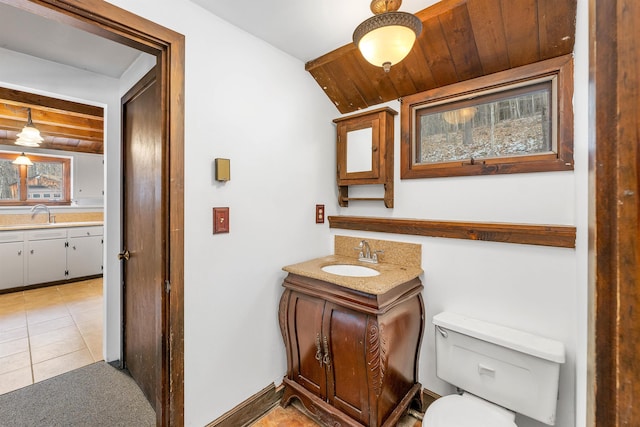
[466, 410]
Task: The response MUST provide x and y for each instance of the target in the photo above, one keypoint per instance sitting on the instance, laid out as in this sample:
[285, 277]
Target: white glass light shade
[387, 44]
[29, 137]
[22, 159]
[386, 39]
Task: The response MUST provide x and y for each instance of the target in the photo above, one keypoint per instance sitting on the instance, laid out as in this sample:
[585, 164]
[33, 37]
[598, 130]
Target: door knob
[124, 255]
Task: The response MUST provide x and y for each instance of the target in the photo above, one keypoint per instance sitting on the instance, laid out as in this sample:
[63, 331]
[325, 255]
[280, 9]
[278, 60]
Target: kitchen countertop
[391, 275]
[18, 227]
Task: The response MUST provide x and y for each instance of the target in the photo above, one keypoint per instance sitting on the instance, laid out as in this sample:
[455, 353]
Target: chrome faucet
[41, 206]
[365, 254]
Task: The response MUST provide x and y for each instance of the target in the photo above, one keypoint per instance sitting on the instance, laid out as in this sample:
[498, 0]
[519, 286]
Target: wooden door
[307, 349]
[144, 236]
[347, 371]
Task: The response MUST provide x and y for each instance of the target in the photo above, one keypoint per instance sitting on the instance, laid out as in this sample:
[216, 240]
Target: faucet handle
[375, 254]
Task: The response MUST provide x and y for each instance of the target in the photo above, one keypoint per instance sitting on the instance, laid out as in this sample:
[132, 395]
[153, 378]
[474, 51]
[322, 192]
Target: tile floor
[294, 416]
[48, 331]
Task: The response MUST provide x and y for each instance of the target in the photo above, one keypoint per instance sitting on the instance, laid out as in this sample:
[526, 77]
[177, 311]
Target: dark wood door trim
[614, 167]
[106, 20]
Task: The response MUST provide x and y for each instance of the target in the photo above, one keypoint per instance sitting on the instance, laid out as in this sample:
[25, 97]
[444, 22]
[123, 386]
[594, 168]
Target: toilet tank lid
[544, 348]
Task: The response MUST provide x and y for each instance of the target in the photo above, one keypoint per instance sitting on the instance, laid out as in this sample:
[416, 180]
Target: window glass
[512, 125]
[9, 180]
[47, 181]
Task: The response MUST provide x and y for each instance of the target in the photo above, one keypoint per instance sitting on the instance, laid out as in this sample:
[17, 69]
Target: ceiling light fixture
[30, 135]
[386, 38]
[22, 159]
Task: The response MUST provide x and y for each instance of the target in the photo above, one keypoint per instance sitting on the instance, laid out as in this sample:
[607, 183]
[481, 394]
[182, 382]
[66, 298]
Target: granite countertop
[391, 275]
[18, 227]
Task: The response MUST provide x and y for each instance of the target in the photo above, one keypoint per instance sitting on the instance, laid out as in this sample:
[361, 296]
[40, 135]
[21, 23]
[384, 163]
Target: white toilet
[502, 371]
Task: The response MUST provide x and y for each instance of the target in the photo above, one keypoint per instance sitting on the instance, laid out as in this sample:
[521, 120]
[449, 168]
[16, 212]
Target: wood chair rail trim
[563, 236]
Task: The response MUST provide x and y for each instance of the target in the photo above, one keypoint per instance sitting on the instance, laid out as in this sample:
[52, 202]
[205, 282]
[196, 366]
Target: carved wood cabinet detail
[352, 357]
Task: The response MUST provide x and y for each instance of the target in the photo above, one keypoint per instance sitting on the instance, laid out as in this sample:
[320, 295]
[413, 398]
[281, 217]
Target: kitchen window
[47, 181]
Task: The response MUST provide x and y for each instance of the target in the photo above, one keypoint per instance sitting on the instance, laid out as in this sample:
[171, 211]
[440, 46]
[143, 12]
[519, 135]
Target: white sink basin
[350, 270]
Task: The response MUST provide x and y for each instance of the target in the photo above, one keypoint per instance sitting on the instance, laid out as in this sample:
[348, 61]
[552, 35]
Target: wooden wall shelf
[562, 236]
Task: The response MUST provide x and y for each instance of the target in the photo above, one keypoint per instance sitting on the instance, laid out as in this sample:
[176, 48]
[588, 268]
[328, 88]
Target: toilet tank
[511, 368]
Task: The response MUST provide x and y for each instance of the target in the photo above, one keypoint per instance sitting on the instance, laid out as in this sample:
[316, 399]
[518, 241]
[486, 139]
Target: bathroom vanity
[352, 343]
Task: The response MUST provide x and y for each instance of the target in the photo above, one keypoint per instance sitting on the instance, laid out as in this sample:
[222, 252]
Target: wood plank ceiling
[460, 40]
[64, 125]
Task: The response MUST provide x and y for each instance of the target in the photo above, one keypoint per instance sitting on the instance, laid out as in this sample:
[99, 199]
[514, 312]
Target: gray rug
[95, 395]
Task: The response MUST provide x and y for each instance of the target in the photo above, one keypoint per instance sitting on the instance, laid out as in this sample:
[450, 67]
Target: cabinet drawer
[43, 234]
[11, 236]
[85, 231]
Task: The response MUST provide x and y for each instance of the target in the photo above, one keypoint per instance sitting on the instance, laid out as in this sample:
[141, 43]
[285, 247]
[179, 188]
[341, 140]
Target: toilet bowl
[501, 371]
[467, 410]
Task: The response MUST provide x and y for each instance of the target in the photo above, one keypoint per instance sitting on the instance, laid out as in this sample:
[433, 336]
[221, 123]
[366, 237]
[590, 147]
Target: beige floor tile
[15, 379]
[46, 314]
[12, 321]
[90, 326]
[68, 362]
[64, 323]
[12, 347]
[88, 304]
[50, 325]
[15, 361]
[88, 316]
[13, 334]
[40, 300]
[56, 349]
[95, 347]
[11, 298]
[11, 304]
[60, 334]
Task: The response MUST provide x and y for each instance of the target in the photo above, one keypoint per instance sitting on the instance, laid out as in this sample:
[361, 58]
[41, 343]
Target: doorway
[113, 23]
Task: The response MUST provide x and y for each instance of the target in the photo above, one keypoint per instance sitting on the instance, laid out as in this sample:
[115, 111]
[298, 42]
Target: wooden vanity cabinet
[352, 357]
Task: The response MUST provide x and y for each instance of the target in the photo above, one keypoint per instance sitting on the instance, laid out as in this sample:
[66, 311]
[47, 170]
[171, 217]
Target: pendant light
[386, 38]
[30, 135]
[22, 159]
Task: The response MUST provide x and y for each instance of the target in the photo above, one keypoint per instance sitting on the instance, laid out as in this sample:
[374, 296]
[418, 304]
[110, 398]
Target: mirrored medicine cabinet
[365, 153]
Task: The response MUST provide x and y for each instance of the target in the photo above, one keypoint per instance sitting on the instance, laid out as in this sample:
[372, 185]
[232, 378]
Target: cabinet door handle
[19, 253]
[318, 349]
[31, 251]
[326, 359]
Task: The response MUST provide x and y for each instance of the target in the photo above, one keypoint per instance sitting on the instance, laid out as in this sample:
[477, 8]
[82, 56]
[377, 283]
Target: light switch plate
[220, 220]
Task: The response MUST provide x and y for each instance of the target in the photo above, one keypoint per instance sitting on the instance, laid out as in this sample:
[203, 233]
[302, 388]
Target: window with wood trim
[47, 181]
[515, 121]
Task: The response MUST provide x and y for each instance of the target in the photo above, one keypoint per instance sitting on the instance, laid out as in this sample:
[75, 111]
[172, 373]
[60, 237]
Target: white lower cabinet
[12, 256]
[49, 254]
[46, 255]
[84, 254]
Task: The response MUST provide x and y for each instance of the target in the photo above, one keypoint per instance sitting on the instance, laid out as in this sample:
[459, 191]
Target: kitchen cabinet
[46, 255]
[50, 254]
[12, 256]
[88, 176]
[352, 357]
[84, 253]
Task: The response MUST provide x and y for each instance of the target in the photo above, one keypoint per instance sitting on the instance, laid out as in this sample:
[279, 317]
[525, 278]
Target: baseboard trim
[251, 409]
[428, 397]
